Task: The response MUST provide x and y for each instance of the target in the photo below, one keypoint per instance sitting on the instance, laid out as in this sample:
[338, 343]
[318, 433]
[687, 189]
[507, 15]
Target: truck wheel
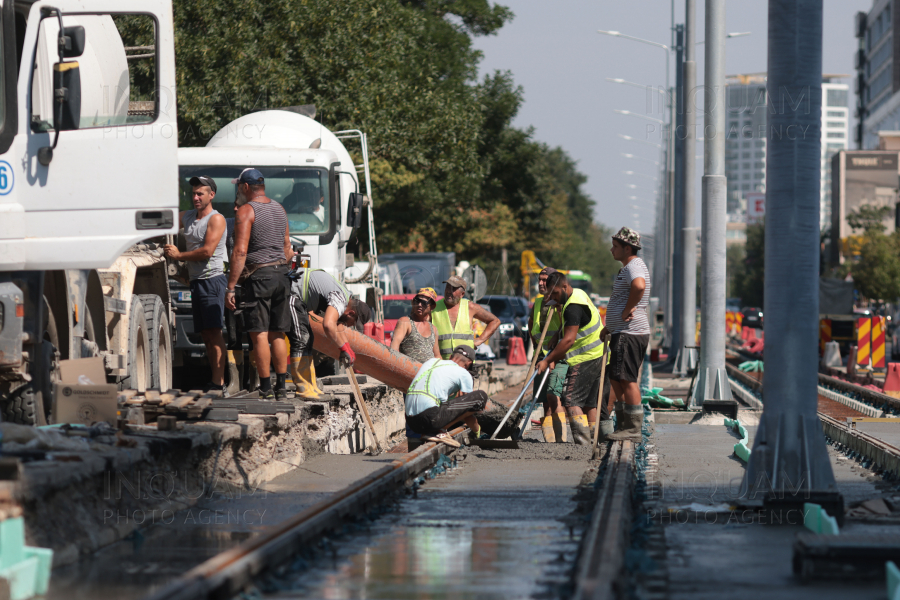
[159, 337]
[138, 368]
[24, 406]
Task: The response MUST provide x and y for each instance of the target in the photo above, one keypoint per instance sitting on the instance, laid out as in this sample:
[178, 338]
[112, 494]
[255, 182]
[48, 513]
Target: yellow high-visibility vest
[538, 326]
[587, 344]
[449, 337]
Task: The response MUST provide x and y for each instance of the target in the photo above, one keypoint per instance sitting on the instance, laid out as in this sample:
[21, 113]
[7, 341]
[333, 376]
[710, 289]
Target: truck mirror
[354, 210]
[74, 41]
[67, 95]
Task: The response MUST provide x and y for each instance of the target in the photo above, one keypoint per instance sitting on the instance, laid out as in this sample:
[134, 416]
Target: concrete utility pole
[687, 356]
[677, 194]
[789, 464]
[712, 380]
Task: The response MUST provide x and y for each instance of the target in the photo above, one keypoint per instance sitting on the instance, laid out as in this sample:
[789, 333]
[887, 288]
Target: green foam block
[893, 581]
[818, 521]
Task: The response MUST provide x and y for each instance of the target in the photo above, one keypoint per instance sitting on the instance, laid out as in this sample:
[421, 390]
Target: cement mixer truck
[88, 166]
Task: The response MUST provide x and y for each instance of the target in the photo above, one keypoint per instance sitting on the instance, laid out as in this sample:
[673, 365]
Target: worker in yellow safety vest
[453, 315]
[553, 425]
[579, 344]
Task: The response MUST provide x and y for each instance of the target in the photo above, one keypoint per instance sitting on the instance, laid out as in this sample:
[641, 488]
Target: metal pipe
[712, 378]
[789, 463]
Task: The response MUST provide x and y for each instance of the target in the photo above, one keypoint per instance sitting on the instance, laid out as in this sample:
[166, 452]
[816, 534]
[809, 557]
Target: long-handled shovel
[363, 409]
[599, 402]
[531, 406]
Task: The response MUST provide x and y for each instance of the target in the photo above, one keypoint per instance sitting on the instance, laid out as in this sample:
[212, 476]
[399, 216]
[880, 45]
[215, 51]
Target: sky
[555, 53]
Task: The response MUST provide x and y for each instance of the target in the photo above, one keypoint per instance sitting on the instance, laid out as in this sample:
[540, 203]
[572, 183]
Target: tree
[749, 279]
[876, 266]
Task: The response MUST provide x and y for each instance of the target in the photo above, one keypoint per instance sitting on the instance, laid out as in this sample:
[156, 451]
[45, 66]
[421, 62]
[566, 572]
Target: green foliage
[876, 270]
[734, 265]
[869, 218]
[748, 278]
[449, 172]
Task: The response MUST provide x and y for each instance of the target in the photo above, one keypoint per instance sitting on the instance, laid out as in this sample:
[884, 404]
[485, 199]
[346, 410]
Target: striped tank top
[266, 243]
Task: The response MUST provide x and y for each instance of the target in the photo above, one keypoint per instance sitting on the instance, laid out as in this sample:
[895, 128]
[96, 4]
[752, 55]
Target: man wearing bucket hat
[414, 335]
[628, 329]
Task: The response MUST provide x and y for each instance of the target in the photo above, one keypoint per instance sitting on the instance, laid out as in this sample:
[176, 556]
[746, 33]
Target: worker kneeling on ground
[315, 291]
[432, 404]
[453, 315]
[580, 346]
[553, 425]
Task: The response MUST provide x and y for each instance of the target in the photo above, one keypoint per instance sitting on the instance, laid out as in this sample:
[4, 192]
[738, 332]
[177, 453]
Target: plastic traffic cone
[892, 380]
[515, 355]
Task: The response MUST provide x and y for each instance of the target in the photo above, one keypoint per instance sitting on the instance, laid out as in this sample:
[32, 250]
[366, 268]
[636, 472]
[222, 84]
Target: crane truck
[88, 193]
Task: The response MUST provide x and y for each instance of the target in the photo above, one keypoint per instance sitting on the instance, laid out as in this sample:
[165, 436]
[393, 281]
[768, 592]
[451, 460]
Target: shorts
[626, 355]
[265, 300]
[583, 386]
[432, 420]
[208, 302]
[300, 337]
[555, 382]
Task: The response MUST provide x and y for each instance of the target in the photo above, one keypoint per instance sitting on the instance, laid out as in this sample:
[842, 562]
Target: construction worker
[553, 424]
[452, 316]
[432, 403]
[315, 291]
[580, 346]
[628, 330]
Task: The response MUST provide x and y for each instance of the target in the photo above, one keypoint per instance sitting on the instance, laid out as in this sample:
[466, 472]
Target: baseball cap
[547, 271]
[249, 175]
[429, 293]
[203, 180]
[467, 351]
[456, 281]
[363, 313]
[629, 236]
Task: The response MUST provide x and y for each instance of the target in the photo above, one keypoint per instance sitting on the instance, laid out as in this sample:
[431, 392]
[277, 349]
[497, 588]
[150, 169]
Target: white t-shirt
[639, 325]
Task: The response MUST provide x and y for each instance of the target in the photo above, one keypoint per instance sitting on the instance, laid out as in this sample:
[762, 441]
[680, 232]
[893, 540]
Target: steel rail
[229, 572]
[603, 552]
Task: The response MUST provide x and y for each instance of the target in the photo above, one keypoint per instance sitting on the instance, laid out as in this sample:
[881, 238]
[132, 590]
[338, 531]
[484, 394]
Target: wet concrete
[181, 540]
[503, 525]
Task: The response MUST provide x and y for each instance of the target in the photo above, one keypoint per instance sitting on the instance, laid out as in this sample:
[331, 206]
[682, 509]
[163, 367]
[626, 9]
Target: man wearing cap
[415, 335]
[628, 329]
[262, 249]
[554, 424]
[580, 345]
[432, 403]
[315, 291]
[452, 317]
[204, 229]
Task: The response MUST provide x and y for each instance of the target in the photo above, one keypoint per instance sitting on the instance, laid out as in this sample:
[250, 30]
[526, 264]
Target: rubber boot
[632, 422]
[307, 369]
[253, 375]
[304, 388]
[581, 434]
[548, 430]
[559, 427]
[620, 414]
[606, 428]
[234, 376]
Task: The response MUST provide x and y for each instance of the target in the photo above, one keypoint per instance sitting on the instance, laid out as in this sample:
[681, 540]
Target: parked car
[753, 317]
[396, 306]
[513, 314]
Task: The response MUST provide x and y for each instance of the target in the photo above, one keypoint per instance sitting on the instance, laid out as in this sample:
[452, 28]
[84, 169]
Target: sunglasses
[421, 302]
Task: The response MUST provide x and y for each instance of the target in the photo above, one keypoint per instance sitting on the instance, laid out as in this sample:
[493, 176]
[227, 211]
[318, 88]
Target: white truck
[88, 166]
[309, 171]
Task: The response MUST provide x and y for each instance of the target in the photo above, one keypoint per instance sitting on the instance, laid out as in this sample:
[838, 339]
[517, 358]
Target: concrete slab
[886, 432]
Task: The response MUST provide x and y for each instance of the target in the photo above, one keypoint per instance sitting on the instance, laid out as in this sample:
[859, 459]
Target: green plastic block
[728, 422]
[818, 521]
[21, 578]
[893, 581]
[12, 542]
[45, 565]
[742, 451]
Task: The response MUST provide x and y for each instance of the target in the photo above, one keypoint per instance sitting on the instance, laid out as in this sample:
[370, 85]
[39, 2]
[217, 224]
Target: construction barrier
[878, 327]
[745, 333]
[892, 380]
[515, 354]
[824, 334]
[729, 322]
[863, 341]
[375, 331]
[738, 321]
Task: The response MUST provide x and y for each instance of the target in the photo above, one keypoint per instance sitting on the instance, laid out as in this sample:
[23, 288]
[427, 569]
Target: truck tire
[24, 406]
[159, 337]
[138, 364]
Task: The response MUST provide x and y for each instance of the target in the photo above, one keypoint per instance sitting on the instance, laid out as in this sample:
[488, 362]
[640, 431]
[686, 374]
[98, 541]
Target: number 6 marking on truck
[6, 178]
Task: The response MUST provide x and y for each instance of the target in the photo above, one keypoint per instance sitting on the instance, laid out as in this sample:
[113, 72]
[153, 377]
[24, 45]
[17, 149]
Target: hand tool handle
[513, 406]
[362, 407]
[540, 346]
[531, 406]
[600, 400]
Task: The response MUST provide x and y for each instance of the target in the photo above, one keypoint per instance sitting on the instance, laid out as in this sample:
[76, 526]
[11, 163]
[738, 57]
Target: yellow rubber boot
[304, 388]
[234, 375]
[308, 372]
[548, 430]
[560, 427]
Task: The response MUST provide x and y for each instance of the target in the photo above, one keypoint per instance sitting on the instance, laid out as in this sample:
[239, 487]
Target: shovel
[514, 443]
[596, 453]
[364, 409]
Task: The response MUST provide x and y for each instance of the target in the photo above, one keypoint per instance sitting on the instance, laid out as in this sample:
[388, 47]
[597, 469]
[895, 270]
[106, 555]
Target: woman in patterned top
[414, 335]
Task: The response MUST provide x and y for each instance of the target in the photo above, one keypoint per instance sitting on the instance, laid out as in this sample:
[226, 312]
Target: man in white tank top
[204, 229]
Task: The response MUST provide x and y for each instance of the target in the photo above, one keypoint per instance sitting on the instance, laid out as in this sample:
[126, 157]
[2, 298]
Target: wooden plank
[167, 398]
[180, 404]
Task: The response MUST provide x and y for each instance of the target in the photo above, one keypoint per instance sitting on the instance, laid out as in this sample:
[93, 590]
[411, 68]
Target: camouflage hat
[629, 236]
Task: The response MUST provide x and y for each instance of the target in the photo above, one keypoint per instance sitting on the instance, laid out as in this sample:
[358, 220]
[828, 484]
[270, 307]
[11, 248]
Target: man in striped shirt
[629, 329]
